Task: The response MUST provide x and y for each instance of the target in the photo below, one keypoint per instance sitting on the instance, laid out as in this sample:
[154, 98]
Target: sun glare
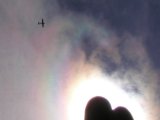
[98, 85]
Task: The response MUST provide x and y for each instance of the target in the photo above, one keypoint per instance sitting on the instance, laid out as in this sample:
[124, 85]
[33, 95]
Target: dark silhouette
[98, 108]
[121, 113]
[41, 23]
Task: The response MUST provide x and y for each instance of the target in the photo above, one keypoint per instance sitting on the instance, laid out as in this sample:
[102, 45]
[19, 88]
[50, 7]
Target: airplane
[41, 23]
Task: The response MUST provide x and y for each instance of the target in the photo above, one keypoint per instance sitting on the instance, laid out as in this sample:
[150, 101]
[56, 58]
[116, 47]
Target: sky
[87, 48]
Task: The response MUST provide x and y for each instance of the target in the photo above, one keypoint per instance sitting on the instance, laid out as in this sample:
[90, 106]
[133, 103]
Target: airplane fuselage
[41, 23]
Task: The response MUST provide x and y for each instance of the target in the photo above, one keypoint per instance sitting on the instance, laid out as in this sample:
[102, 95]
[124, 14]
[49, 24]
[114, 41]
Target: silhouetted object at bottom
[122, 113]
[98, 108]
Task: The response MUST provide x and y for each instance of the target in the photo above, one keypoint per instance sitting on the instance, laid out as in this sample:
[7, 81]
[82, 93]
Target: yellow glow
[99, 85]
